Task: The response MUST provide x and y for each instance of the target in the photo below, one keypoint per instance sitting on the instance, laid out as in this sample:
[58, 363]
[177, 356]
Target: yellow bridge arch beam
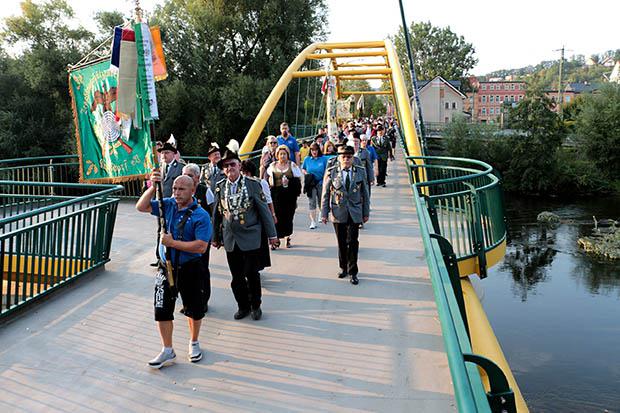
[390, 70]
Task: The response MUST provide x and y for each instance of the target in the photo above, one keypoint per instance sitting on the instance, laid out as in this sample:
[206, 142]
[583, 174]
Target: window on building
[492, 111]
[447, 105]
[512, 86]
[520, 86]
[484, 111]
[483, 86]
[567, 99]
[453, 105]
[492, 87]
[446, 120]
[491, 98]
[483, 99]
[497, 99]
[505, 98]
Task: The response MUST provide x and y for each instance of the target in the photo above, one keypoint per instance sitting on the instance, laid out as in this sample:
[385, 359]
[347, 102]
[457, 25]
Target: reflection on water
[556, 310]
[528, 258]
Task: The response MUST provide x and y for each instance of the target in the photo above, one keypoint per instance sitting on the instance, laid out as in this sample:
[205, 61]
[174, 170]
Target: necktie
[347, 179]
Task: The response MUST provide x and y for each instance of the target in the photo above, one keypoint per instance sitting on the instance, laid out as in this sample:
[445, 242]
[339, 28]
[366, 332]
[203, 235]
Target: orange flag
[159, 61]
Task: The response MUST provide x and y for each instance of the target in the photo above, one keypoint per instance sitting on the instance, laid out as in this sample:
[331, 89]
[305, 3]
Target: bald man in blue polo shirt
[188, 235]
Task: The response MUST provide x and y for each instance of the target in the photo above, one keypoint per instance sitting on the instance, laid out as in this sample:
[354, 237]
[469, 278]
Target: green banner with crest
[110, 148]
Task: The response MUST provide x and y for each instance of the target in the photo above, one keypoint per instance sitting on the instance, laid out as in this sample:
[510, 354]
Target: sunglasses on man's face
[229, 165]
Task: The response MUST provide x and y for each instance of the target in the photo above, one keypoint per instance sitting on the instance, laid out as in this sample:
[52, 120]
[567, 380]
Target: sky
[505, 35]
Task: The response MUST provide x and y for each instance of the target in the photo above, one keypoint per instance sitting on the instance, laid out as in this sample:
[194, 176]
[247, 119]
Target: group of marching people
[248, 210]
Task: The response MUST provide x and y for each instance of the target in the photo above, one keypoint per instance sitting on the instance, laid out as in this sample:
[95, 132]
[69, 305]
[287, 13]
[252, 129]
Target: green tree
[228, 56]
[598, 128]
[35, 112]
[437, 51]
[373, 104]
[533, 165]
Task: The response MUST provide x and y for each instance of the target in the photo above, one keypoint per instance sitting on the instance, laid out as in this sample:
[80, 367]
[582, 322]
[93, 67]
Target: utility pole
[560, 95]
[414, 81]
[560, 98]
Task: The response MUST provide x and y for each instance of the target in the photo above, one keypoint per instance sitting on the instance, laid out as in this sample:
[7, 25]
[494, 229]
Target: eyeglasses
[273, 143]
[347, 156]
[229, 165]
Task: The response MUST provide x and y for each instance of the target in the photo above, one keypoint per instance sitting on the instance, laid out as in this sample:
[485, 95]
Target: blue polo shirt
[315, 166]
[373, 153]
[292, 144]
[198, 226]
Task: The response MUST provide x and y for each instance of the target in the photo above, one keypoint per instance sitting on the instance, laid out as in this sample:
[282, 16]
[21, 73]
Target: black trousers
[347, 235]
[207, 275]
[245, 284]
[382, 171]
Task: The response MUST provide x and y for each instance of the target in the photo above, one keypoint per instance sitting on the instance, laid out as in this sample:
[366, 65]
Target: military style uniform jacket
[174, 170]
[341, 202]
[243, 227]
[383, 147]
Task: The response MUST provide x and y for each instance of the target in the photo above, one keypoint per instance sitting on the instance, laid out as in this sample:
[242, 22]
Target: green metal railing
[48, 240]
[460, 209]
[464, 201]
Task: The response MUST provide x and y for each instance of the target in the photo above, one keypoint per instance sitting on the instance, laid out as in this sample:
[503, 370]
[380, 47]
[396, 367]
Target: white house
[440, 100]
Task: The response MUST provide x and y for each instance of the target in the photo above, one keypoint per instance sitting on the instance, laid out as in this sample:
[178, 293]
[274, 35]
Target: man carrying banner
[187, 237]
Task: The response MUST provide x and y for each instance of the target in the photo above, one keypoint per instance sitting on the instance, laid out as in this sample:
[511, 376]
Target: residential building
[571, 91]
[440, 99]
[486, 103]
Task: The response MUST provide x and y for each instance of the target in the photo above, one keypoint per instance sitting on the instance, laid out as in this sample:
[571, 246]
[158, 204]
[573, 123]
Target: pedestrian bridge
[412, 336]
[322, 345]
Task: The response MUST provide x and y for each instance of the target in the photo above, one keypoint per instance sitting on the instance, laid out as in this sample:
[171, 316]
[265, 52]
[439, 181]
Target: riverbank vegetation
[539, 153]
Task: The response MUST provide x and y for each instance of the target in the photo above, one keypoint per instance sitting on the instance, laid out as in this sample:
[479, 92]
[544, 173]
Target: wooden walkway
[322, 345]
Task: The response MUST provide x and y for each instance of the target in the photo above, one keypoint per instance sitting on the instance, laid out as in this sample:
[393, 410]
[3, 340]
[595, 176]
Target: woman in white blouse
[284, 179]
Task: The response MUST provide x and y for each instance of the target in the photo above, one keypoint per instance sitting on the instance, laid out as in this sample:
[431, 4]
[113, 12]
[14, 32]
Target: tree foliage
[437, 51]
[223, 59]
[598, 127]
[532, 160]
[227, 56]
[35, 112]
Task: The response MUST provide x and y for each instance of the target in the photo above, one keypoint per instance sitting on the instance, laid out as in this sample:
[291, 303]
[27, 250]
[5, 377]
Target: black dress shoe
[354, 280]
[256, 314]
[342, 274]
[241, 314]
[154, 264]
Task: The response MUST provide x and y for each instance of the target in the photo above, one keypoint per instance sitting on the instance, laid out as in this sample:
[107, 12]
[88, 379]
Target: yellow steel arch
[389, 70]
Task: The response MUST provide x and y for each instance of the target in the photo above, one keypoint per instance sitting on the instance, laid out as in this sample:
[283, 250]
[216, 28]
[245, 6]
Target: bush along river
[556, 309]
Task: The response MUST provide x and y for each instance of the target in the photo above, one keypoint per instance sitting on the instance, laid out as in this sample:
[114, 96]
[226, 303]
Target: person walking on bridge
[240, 216]
[187, 237]
[345, 199]
[384, 152]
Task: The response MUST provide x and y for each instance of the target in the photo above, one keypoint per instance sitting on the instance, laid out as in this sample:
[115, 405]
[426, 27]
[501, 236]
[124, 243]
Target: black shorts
[190, 284]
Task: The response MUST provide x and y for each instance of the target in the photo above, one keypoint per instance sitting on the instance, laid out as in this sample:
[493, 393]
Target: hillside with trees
[545, 74]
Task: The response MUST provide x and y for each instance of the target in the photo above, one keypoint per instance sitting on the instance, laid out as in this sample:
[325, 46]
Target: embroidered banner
[146, 78]
[109, 150]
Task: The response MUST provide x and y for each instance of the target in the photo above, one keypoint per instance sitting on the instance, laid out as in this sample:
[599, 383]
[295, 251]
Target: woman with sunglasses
[268, 156]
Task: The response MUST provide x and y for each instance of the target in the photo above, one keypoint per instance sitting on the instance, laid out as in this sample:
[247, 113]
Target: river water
[556, 310]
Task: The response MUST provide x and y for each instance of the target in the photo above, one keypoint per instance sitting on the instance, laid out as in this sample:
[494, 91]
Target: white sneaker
[195, 353]
[312, 225]
[163, 359]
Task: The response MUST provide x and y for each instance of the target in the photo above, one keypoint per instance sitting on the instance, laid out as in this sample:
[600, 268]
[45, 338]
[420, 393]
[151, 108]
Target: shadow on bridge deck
[322, 345]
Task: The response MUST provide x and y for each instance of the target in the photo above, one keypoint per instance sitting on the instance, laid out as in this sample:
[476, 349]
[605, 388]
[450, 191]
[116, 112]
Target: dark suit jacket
[258, 217]
[175, 169]
[383, 149]
[341, 202]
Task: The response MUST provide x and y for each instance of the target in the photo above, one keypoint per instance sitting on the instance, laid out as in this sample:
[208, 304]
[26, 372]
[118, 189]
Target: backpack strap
[180, 229]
